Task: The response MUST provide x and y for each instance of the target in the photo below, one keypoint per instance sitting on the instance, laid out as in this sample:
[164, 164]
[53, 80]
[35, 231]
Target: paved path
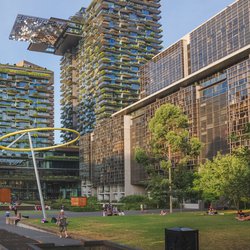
[17, 237]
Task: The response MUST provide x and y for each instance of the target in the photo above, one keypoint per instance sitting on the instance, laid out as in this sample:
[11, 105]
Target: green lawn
[218, 232]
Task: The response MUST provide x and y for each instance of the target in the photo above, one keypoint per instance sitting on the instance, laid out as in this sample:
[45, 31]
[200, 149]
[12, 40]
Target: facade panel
[164, 69]
[102, 153]
[220, 36]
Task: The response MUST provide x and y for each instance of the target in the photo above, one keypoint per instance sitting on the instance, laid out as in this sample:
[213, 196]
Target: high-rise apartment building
[103, 47]
[26, 101]
[207, 74]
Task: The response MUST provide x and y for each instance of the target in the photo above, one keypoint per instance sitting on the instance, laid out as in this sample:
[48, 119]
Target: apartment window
[111, 24]
[148, 32]
[21, 84]
[3, 75]
[133, 16]
[113, 77]
[145, 12]
[135, 68]
[111, 10]
[135, 86]
[4, 95]
[111, 5]
[112, 59]
[112, 41]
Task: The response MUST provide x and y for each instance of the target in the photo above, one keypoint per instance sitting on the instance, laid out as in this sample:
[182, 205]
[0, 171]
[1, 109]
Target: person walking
[62, 223]
[15, 210]
[142, 208]
[7, 217]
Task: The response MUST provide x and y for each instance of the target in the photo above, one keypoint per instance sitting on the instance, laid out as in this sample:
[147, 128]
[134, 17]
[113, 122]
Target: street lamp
[170, 181]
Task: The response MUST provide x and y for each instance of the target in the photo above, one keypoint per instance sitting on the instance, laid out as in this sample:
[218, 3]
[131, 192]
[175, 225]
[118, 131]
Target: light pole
[170, 181]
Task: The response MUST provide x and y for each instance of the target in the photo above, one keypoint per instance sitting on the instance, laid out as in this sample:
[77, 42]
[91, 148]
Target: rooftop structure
[52, 35]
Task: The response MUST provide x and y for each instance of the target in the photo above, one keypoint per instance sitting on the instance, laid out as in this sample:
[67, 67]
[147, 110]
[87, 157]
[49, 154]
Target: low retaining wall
[7, 208]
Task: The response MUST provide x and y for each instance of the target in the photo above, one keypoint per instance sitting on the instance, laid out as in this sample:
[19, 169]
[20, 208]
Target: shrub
[133, 202]
[57, 204]
[134, 199]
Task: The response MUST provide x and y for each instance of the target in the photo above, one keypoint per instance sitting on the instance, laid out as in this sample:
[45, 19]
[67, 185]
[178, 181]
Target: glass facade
[164, 69]
[106, 154]
[207, 74]
[220, 36]
[213, 115]
[140, 134]
[102, 158]
[239, 103]
[58, 172]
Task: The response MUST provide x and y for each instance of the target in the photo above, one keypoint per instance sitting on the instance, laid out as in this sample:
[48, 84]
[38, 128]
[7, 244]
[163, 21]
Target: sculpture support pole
[14, 141]
[37, 177]
[32, 150]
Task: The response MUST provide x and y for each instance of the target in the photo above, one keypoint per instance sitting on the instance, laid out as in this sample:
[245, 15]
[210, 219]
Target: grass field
[219, 232]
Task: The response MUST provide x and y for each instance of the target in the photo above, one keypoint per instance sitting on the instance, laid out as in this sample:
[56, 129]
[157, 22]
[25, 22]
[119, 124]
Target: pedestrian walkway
[17, 237]
[13, 241]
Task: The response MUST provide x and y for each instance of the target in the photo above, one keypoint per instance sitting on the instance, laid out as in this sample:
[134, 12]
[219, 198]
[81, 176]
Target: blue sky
[179, 17]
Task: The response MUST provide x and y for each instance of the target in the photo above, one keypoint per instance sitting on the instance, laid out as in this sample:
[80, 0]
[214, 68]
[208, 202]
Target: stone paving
[13, 241]
[17, 237]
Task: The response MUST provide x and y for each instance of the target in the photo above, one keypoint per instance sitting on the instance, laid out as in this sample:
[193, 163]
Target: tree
[226, 176]
[172, 144]
[155, 179]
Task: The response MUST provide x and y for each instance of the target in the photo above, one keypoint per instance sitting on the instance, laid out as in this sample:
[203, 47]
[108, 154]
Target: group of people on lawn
[241, 216]
[109, 210]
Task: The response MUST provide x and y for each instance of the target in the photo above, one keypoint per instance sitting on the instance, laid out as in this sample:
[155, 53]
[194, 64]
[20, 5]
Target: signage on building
[78, 201]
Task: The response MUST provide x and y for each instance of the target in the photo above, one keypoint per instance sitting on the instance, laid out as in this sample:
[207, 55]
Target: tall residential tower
[26, 101]
[103, 47]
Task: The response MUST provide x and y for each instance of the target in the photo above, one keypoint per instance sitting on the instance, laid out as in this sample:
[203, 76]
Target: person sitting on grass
[241, 214]
[62, 223]
[211, 211]
[163, 212]
[243, 218]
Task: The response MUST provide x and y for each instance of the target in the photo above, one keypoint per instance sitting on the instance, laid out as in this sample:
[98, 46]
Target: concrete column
[129, 189]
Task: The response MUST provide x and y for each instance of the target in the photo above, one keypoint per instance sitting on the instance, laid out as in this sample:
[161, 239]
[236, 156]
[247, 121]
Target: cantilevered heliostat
[51, 35]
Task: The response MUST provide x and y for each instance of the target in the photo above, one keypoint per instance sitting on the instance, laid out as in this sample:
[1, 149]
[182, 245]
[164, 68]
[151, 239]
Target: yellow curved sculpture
[38, 129]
